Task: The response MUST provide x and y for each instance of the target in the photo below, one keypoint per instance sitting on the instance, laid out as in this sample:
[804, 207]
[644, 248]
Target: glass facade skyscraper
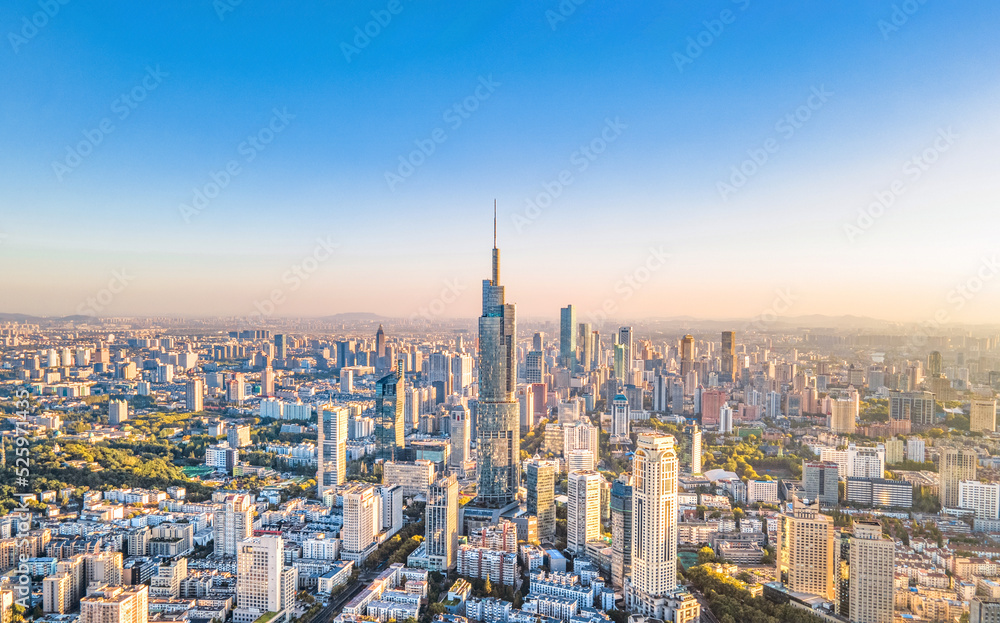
[498, 435]
[567, 337]
[389, 427]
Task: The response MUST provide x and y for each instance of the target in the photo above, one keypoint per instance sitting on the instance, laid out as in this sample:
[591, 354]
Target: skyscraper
[654, 529]
[692, 442]
[115, 604]
[541, 481]
[380, 342]
[441, 521]
[332, 447]
[872, 567]
[982, 415]
[619, 416]
[567, 337]
[585, 339]
[389, 426]
[956, 466]
[621, 530]
[728, 357]
[583, 511]
[498, 438]
[687, 354]
[263, 584]
[280, 347]
[821, 482]
[194, 395]
[628, 352]
[233, 523]
[934, 363]
[461, 429]
[805, 550]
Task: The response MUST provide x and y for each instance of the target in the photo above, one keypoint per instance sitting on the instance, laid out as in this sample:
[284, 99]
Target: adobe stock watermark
[97, 303]
[630, 283]
[901, 14]
[580, 160]
[224, 7]
[30, 27]
[121, 107]
[293, 278]
[705, 38]
[783, 301]
[363, 36]
[249, 149]
[562, 12]
[956, 298]
[453, 116]
[911, 171]
[450, 293]
[785, 128]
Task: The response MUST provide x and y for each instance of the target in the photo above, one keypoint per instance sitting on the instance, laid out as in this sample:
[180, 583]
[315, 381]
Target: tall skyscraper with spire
[498, 439]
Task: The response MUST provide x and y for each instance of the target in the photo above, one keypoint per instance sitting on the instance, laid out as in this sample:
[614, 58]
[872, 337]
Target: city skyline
[647, 110]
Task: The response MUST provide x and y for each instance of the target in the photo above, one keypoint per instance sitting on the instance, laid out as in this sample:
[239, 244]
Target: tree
[706, 554]
[488, 587]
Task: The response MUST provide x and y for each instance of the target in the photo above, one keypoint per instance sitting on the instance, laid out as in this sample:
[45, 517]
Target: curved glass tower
[498, 440]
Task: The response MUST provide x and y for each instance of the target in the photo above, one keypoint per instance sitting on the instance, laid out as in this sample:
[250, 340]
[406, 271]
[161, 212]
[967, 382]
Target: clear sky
[622, 121]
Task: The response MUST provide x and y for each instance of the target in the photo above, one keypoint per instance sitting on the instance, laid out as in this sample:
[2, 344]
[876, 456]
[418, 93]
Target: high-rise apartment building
[805, 551]
[441, 522]
[982, 497]
[918, 407]
[916, 449]
[955, 466]
[362, 522]
[238, 435]
[194, 395]
[872, 567]
[332, 447]
[233, 523]
[583, 511]
[115, 604]
[117, 412]
[541, 481]
[498, 430]
[263, 583]
[692, 447]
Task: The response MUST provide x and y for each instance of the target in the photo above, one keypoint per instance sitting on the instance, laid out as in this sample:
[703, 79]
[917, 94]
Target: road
[333, 609]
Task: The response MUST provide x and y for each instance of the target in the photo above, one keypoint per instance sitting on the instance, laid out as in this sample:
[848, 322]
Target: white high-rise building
[619, 416]
[233, 523]
[117, 412]
[441, 523]
[263, 584]
[866, 461]
[581, 435]
[916, 449]
[583, 512]
[115, 604]
[362, 520]
[194, 395]
[579, 461]
[332, 448]
[652, 588]
[726, 419]
[461, 431]
[872, 567]
[982, 497]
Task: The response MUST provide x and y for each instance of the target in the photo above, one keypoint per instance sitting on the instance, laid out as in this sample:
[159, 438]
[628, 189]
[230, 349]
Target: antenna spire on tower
[494, 223]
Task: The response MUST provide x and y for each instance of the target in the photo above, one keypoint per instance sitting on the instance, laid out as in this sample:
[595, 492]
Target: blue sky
[212, 82]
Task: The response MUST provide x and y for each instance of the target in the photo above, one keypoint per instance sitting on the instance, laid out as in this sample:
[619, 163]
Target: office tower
[687, 354]
[236, 388]
[115, 604]
[956, 466]
[346, 381]
[916, 449]
[628, 354]
[866, 461]
[726, 419]
[661, 392]
[872, 567]
[712, 401]
[567, 337]
[585, 339]
[538, 341]
[805, 550]
[441, 521]
[526, 408]
[389, 426]
[918, 407]
[934, 365]
[117, 412]
[194, 395]
[263, 584]
[541, 482]
[534, 367]
[332, 447]
[461, 373]
[654, 529]
[579, 460]
[621, 530]
[380, 342]
[362, 520]
[984, 610]
[821, 482]
[280, 347]
[619, 363]
[728, 357]
[620, 416]
[983, 415]
[498, 431]
[267, 379]
[238, 435]
[415, 477]
[773, 405]
[692, 442]
[461, 430]
[598, 354]
[583, 511]
[233, 523]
